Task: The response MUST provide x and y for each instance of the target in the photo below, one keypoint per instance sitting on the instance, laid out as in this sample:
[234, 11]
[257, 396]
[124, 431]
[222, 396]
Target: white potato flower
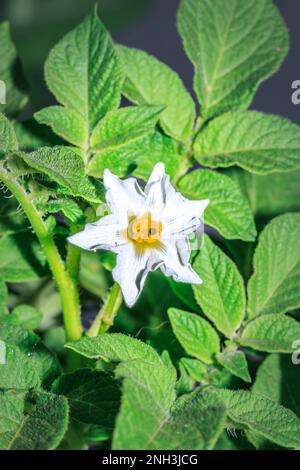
[148, 229]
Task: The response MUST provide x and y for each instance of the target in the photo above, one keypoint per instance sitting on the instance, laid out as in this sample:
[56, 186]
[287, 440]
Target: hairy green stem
[105, 317]
[67, 288]
[73, 262]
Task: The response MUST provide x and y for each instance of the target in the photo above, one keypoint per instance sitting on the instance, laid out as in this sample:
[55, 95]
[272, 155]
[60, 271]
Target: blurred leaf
[18, 372]
[269, 195]
[25, 316]
[21, 259]
[195, 368]
[31, 136]
[11, 74]
[3, 296]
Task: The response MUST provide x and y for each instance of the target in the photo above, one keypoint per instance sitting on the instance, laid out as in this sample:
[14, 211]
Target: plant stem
[67, 288]
[73, 262]
[108, 312]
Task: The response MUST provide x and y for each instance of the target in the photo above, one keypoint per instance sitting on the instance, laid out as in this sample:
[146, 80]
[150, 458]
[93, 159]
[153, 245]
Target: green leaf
[195, 368]
[21, 259]
[31, 136]
[11, 74]
[37, 421]
[269, 195]
[271, 333]
[139, 157]
[3, 296]
[221, 295]
[195, 334]
[24, 315]
[232, 49]
[62, 164]
[8, 140]
[236, 363]
[68, 207]
[184, 292]
[114, 347]
[275, 284]
[262, 415]
[148, 420]
[278, 379]
[83, 73]
[18, 372]
[228, 211]
[93, 396]
[66, 123]
[258, 142]
[44, 363]
[123, 126]
[149, 81]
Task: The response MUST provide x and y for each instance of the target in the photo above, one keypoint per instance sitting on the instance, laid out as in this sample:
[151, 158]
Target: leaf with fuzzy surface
[195, 334]
[145, 422]
[44, 363]
[138, 157]
[12, 75]
[151, 82]
[236, 363]
[83, 72]
[231, 49]
[258, 142]
[123, 126]
[228, 210]
[8, 140]
[221, 295]
[94, 396]
[37, 421]
[271, 333]
[257, 413]
[18, 372]
[66, 123]
[275, 285]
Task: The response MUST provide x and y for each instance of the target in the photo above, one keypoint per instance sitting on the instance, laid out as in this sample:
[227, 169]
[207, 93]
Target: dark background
[147, 24]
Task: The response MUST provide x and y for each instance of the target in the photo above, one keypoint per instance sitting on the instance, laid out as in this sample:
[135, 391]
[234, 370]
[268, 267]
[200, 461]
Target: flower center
[144, 229]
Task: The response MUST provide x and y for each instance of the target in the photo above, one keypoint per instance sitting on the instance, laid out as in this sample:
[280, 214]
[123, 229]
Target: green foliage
[236, 363]
[257, 142]
[221, 295]
[11, 74]
[231, 49]
[149, 81]
[8, 141]
[274, 286]
[168, 375]
[195, 334]
[228, 211]
[271, 333]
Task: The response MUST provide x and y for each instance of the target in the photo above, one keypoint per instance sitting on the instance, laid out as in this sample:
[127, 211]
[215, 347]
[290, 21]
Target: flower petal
[123, 196]
[133, 265]
[106, 234]
[184, 218]
[154, 189]
[173, 265]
